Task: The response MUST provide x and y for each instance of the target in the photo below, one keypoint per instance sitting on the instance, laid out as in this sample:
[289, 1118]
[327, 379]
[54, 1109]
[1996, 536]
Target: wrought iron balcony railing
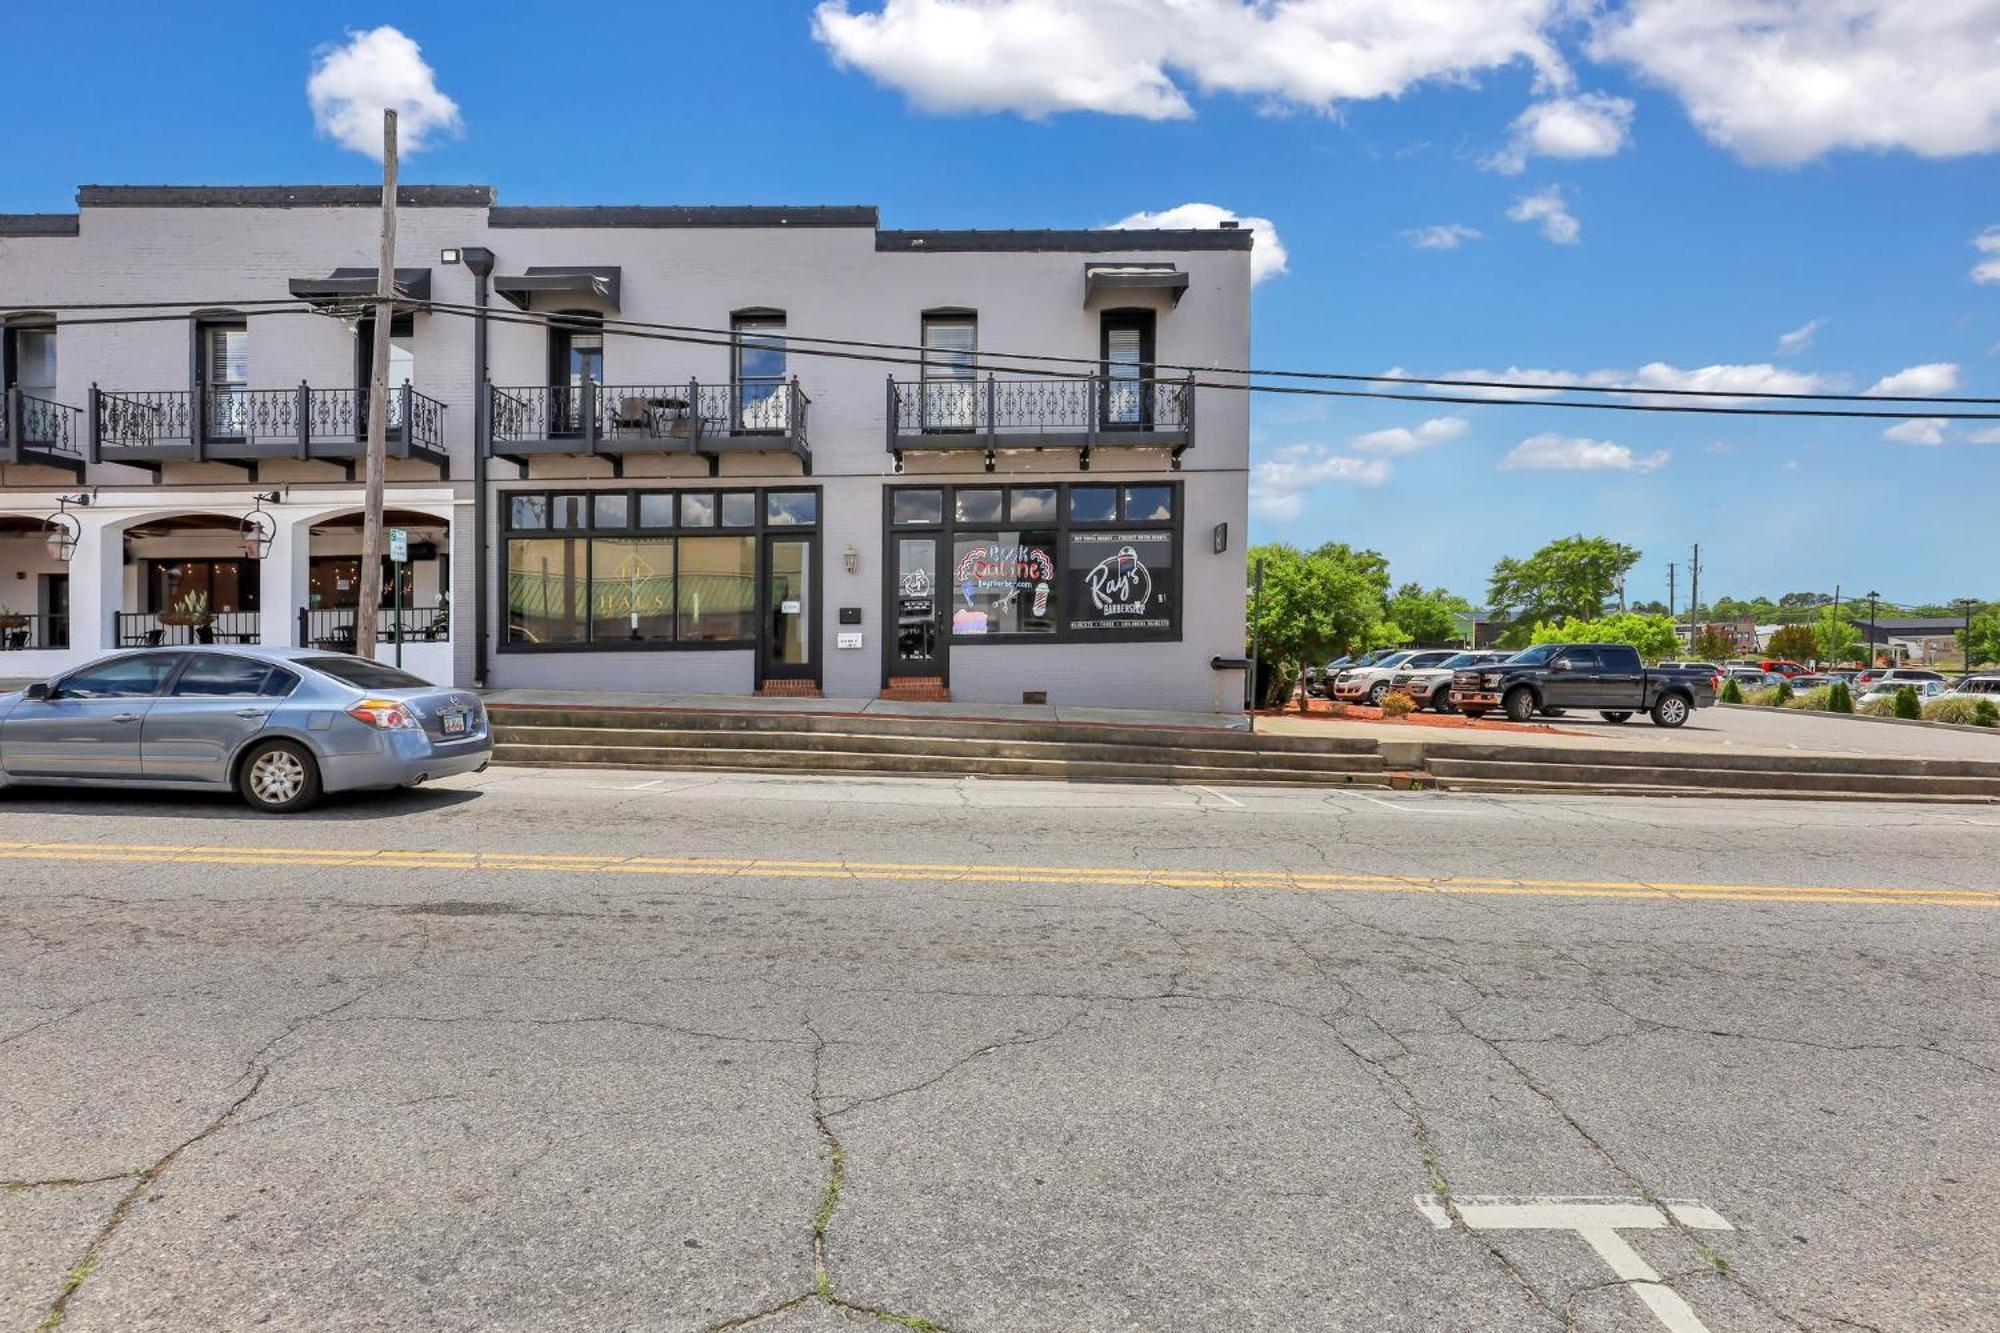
[37, 430]
[332, 627]
[614, 420]
[22, 632]
[230, 424]
[151, 629]
[1053, 412]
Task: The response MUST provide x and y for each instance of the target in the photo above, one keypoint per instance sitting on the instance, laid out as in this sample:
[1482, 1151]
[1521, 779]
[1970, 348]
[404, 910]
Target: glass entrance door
[919, 645]
[789, 620]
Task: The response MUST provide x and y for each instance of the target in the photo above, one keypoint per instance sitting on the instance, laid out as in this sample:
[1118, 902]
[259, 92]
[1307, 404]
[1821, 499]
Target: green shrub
[1908, 705]
[1732, 693]
[1839, 698]
[1879, 706]
[1965, 712]
[1771, 696]
[1818, 699]
[1986, 713]
[1783, 689]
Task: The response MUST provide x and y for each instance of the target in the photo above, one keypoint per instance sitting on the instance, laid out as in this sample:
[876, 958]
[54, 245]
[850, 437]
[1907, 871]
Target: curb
[1864, 717]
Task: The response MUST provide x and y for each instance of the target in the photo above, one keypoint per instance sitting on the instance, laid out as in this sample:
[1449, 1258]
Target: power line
[638, 330]
[930, 357]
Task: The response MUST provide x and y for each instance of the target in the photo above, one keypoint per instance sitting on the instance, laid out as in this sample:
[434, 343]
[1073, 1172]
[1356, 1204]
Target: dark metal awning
[1105, 279]
[600, 282]
[349, 284]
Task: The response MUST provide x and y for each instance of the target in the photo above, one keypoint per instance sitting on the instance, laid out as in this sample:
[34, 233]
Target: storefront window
[545, 590]
[1120, 580]
[1031, 504]
[697, 510]
[718, 588]
[631, 589]
[1093, 504]
[656, 511]
[528, 511]
[918, 506]
[791, 508]
[611, 511]
[739, 510]
[978, 506]
[1003, 583]
[1149, 504]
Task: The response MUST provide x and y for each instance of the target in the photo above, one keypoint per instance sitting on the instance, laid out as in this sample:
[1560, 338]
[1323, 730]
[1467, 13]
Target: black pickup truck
[1608, 677]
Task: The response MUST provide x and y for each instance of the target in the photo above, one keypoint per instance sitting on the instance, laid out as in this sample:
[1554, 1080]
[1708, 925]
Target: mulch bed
[1327, 710]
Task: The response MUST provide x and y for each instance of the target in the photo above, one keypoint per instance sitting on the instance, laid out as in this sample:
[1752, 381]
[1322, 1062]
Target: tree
[1421, 616]
[1316, 604]
[1803, 601]
[1793, 643]
[1712, 645]
[1650, 608]
[1653, 636]
[1834, 636]
[1984, 644]
[1570, 578]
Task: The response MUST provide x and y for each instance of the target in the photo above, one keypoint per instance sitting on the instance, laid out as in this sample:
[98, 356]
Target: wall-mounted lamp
[259, 527]
[60, 529]
[850, 557]
[1221, 537]
[450, 255]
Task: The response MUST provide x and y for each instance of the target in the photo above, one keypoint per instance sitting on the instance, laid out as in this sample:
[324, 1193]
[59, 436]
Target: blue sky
[1712, 216]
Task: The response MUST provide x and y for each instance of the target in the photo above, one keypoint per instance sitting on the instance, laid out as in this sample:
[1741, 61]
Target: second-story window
[950, 398]
[31, 360]
[576, 353]
[225, 378]
[402, 361]
[763, 397]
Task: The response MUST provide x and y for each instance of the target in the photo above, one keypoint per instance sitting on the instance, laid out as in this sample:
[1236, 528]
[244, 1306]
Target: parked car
[1431, 686]
[1782, 667]
[1985, 685]
[1319, 679]
[279, 725]
[1812, 680]
[1887, 689]
[1752, 678]
[1876, 675]
[1608, 677]
[1371, 684]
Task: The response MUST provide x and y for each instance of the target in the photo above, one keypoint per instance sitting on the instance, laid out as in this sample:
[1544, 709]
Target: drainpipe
[480, 260]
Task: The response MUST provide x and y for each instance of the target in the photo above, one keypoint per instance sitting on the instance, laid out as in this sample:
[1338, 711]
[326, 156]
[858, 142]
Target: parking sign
[399, 545]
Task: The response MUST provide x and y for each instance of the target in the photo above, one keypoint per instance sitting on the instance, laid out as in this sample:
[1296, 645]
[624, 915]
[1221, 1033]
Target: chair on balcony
[339, 640]
[654, 417]
[17, 639]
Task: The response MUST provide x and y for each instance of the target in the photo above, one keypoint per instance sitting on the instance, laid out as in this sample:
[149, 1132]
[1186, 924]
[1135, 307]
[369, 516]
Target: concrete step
[860, 762]
[1553, 756]
[613, 741]
[1529, 787]
[1787, 773]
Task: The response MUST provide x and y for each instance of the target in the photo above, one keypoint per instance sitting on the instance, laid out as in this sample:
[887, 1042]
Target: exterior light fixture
[259, 527]
[450, 255]
[60, 529]
[851, 558]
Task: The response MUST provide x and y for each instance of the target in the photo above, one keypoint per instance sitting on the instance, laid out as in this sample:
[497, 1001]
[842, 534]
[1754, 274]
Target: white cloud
[1746, 380]
[1267, 252]
[1987, 243]
[1784, 81]
[352, 84]
[1587, 125]
[1547, 207]
[1141, 57]
[1926, 381]
[1800, 338]
[1404, 440]
[1550, 452]
[1443, 236]
[1988, 436]
[1278, 485]
[1919, 430]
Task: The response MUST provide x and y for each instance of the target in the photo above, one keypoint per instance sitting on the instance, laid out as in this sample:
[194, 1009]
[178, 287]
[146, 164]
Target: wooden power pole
[367, 612]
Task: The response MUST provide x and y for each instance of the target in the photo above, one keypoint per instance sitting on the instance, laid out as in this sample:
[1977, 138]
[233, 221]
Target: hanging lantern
[258, 529]
[59, 530]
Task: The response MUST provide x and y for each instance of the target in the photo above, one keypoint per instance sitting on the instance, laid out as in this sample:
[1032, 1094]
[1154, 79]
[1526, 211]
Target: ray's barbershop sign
[1120, 580]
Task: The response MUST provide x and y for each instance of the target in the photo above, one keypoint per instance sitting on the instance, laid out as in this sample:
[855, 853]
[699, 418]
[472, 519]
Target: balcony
[619, 421]
[1056, 412]
[22, 632]
[36, 430]
[245, 426]
[153, 629]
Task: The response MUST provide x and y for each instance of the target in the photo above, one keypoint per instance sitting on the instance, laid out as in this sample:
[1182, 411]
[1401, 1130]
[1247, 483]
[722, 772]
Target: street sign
[399, 545]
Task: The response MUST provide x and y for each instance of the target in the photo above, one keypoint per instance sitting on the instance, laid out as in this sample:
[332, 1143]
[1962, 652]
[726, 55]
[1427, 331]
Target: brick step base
[916, 690]
[789, 689]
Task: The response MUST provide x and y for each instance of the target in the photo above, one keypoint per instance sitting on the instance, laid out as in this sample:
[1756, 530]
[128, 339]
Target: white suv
[1372, 684]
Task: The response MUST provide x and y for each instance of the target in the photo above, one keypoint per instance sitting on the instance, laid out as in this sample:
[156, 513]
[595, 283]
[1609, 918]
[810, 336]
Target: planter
[181, 622]
[13, 622]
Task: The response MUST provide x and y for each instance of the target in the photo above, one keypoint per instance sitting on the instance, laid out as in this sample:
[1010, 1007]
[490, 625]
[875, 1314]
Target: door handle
[126, 717]
[252, 712]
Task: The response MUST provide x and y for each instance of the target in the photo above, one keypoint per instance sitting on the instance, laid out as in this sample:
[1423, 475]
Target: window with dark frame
[757, 367]
[1080, 562]
[641, 569]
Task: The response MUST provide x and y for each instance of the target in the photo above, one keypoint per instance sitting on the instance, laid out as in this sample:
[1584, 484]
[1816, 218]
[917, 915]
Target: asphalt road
[629, 1051]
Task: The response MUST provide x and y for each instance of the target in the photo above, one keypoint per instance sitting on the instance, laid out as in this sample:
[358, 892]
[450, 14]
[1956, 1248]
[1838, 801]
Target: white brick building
[709, 506]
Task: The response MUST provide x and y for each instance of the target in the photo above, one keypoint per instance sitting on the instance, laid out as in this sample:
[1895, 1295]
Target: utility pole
[367, 612]
[1967, 605]
[1873, 598]
[1694, 591]
[1672, 569]
[1836, 609]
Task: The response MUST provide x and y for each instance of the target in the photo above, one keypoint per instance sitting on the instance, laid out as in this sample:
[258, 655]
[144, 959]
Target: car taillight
[384, 714]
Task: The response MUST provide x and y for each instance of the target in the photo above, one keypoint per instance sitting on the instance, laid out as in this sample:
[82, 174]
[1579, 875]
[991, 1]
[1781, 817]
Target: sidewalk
[855, 707]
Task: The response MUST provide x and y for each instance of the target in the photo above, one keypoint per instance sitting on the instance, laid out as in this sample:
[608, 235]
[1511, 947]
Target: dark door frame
[1145, 322]
[767, 668]
[892, 601]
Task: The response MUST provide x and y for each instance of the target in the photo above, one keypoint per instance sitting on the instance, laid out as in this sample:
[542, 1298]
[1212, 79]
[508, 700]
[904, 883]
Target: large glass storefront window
[645, 569]
[1084, 562]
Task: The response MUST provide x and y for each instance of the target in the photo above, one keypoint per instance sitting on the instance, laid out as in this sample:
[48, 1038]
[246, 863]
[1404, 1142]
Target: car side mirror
[39, 690]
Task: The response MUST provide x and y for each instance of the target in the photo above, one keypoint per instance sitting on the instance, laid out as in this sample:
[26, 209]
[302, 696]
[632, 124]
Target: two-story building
[714, 450]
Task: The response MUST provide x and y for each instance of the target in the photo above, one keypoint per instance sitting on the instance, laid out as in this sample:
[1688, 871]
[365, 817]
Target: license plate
[452, 723]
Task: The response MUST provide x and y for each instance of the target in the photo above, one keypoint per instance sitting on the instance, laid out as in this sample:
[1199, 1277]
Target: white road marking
[1410, 807]
[1226, 800]
[1598, 1221]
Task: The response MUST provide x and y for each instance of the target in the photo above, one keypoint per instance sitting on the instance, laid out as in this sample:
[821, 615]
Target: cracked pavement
[342, 1096]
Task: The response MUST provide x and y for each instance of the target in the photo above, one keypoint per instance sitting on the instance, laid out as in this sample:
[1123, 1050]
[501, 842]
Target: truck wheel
[1616, 715]
[1475, 713]
[1670, 710]
[1442, 702]
[1377, 693]
[1520, 704]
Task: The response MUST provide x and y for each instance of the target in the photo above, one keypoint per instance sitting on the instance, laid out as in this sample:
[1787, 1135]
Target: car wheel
[1670, 710]
[1555, 712]
[1378, 692]
[279, 778]
[1520, 704]
[1616, 715]
[1442, 702]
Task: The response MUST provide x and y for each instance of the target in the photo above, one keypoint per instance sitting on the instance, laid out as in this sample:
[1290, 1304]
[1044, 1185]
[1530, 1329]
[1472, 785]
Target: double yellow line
[939, 874]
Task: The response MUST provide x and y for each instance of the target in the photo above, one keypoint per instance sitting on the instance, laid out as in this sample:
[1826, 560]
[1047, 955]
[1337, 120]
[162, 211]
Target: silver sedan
[279, 725]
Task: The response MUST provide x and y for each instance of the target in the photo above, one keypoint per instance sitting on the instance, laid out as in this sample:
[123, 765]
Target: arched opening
[416, 594]
[187, 579]
[34, 587]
